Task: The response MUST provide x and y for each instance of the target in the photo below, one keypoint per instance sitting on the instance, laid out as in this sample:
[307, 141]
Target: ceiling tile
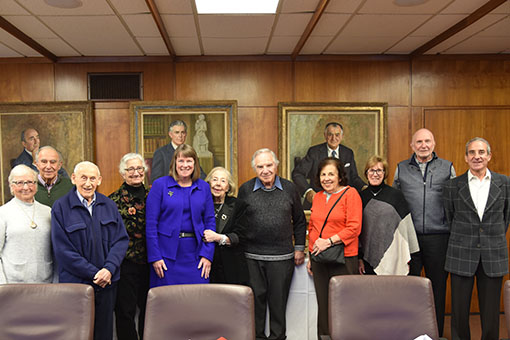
[95, 42]
[17, 45]
[9, 7]
[235, 26]
[355, 45]
[389, 7]
[503, 8]
[6, 52]
[498, 29]
[297, 6]
[174, 6]
[185, 46]
[464, 6]
[343, 6]
[130, 6]
[408, 44]
[31, 26]
[282, 45]
[142, 25]
[383, 25]
[153, 45]
[243, 46]
[90, 7]
[315, 45]
[292, 24]
[180, 25]
[437, 25]
[330, 24]
[487, 44]
[58, 47]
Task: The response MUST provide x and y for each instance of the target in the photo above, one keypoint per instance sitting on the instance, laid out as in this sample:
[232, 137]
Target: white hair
[126, 158]
[20, 170]
[264, 150]
[47, 147]
[84, 164]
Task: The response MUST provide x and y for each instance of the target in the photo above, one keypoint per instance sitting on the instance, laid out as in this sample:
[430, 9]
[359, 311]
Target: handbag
[335, 253]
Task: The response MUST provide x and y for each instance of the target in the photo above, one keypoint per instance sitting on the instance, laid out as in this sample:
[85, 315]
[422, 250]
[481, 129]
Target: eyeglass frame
[21, 184]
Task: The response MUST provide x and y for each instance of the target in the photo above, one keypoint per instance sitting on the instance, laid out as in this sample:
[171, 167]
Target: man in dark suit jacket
[305, 171]
[477, 207]
[177, 131]
[31, 142]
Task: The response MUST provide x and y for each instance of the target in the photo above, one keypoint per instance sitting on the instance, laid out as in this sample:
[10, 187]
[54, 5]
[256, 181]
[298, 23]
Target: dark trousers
[489, 293]
[104, 301]
[322, 273]
[432, 256]
[270, 282]
[131, 293]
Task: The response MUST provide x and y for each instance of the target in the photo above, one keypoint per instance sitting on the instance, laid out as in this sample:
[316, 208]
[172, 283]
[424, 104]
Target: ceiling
[172, 28]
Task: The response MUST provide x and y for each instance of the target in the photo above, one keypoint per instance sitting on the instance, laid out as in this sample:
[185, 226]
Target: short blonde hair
[232, 187]
[373, 161]
[185, 150]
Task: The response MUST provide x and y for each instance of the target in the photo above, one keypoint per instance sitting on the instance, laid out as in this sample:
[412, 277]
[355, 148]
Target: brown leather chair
[381, 307]
[200, 312]
[58, 311]
[506, 298]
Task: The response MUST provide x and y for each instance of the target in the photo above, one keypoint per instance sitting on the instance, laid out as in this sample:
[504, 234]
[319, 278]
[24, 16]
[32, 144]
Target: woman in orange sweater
[343, 226]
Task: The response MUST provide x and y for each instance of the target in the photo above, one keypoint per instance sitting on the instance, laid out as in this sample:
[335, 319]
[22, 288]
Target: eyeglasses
[21, 184]
[375, 171]
[138, 168]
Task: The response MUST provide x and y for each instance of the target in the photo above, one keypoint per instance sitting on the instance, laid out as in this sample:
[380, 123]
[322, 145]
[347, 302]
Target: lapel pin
[223, 217]
[170, 193]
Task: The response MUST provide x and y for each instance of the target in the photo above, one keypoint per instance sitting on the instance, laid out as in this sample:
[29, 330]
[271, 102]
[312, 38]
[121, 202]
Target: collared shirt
[47, 186]
[479, 190]
[337, 151]
[175, 146]
[258, 185]
[85, 202]
[423, 165]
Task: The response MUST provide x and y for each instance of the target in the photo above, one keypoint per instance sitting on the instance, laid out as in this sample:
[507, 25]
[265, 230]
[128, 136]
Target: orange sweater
[344, 220]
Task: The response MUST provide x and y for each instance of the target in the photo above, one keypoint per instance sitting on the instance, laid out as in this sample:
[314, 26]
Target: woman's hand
[361, 267]
[211, 236]
[159, 268]
[320, 245]
[205, 264]
[309, 267]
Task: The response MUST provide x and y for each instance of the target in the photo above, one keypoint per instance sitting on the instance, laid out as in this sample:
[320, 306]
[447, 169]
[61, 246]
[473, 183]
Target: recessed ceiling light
[64, 3]
[409, 3]
[236, 6]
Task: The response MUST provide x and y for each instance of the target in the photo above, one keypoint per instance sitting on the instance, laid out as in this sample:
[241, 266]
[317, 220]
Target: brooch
[223, 217]
[170, 193]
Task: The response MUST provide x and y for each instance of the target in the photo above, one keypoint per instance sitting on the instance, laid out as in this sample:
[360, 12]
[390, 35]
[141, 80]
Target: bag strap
[339, 198]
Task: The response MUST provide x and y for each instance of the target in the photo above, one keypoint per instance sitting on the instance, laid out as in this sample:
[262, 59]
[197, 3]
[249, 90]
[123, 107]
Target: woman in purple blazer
[179, 209]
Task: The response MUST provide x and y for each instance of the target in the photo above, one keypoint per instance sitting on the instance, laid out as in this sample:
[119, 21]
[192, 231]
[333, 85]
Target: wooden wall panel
[257, 128]
[250, 83]
[26, 82]
[353, 81]
[112, 142]
[398, 138]
[461, 82]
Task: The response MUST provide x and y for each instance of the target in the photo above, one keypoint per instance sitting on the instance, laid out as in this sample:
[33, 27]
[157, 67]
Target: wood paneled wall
[456, 97]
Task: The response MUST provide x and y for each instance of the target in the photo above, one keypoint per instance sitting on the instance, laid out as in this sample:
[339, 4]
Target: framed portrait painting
[211, 130]
[302, 126]
[66, 126]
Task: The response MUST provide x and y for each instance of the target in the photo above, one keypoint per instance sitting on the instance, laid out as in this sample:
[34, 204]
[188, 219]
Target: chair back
[200, 312]
[57, 311]
[381, 307]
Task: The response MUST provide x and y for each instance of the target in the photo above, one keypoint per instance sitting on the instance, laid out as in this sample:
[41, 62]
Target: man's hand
[310, 195]
[299, 257]
[103, 278]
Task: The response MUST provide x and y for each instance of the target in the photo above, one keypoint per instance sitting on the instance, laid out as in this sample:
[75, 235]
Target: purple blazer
[164, 215]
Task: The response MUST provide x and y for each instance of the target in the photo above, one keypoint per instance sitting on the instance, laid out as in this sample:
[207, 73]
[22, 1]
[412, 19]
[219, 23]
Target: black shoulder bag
[335, 253]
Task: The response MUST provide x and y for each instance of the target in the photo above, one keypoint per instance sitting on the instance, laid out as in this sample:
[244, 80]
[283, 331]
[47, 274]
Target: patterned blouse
[132, 210]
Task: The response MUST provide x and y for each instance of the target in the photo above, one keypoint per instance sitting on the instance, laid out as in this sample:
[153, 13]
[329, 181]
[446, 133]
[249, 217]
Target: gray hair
[47, 147]
[478, 139]
[264, 150]
[83, 164]
[126, 158]
[177, 122]
[20, 170]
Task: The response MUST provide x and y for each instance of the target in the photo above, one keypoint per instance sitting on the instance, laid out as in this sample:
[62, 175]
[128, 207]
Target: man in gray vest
[421, 179]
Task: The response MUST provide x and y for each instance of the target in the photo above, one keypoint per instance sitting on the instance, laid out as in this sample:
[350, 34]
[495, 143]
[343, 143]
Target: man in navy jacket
[90, 242]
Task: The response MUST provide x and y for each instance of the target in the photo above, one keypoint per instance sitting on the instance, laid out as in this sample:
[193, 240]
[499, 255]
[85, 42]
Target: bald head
[423, 144]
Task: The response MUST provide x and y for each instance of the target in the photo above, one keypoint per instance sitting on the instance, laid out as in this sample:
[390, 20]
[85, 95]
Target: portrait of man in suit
[477, 208]
[306, 169]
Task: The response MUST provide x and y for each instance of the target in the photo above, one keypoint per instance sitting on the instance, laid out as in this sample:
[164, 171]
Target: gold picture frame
[67, 126]
[150, 121]
[301, 125]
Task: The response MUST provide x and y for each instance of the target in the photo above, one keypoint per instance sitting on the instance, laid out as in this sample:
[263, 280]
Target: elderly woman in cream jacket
[25, 246]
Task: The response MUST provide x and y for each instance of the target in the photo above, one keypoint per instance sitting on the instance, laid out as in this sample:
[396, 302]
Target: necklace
[32, 225]
[217, 210]
[376, 193]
